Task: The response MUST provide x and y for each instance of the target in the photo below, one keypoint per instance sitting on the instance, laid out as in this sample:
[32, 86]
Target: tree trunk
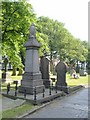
[20, 72]
[14, 71]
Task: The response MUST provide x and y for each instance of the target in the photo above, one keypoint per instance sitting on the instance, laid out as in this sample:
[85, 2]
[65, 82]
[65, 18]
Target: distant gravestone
[45, 70]
[82, 72]
[6, 77]
[61, 70]
[77, 69]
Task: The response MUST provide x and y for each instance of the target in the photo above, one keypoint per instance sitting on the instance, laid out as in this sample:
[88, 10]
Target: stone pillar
[32, 76]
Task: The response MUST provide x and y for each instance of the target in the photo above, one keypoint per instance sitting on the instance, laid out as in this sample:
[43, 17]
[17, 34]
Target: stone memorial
[82, 72]
[31, 78]
[61, 70]
[6, 77]
[45, 70]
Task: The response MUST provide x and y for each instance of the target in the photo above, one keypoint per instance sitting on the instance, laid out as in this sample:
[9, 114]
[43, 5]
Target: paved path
[73, 106]
[7, 103]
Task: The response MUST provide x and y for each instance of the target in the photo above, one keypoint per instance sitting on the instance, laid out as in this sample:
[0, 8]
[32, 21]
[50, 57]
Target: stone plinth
[31, 79]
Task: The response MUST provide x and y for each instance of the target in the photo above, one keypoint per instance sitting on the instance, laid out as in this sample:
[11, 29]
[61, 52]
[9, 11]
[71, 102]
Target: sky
[73, 13]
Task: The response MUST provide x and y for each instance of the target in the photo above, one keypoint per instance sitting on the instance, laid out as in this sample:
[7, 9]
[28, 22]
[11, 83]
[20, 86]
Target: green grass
[16, 77]
[70, 81]
[4, 86]
[13, 77]
[15, 112]
[82, 80]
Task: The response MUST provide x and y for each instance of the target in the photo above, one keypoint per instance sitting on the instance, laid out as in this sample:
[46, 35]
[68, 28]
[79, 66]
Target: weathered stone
[45, 70]
[61, 70]
[82, 72]
[31, 79]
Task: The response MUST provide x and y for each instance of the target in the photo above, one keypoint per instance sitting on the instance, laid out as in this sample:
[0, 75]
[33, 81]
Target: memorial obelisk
[31, 78]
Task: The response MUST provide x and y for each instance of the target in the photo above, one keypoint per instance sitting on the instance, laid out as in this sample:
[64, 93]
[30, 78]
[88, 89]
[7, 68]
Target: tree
[62, 43]
[16, 20]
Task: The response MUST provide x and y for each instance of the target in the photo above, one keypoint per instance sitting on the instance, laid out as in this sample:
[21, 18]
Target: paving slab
[8, 103]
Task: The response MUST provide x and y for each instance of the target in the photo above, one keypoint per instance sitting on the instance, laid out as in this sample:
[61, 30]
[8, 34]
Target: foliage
[62, 43]
[16, 19]
[56, 41]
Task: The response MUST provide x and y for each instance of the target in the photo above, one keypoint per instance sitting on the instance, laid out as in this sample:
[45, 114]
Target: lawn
[82, 80]
[18, 111]
[13, 77]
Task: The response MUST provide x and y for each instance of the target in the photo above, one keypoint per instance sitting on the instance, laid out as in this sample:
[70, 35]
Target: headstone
[31, 78]
[45, 70]
[9, 66]
[77, 69]
[6, 77]
[61, 70]
[82, 72]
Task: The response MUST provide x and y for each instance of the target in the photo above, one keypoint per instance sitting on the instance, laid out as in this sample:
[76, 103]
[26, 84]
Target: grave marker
[45, 70]
[61, 70]
[31, 79]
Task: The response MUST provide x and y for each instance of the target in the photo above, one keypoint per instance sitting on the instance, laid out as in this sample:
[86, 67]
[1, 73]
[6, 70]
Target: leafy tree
[62, 43]
[55, 39]
[16, 19]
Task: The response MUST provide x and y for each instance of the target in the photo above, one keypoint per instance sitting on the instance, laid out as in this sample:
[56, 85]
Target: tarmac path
[73, 106]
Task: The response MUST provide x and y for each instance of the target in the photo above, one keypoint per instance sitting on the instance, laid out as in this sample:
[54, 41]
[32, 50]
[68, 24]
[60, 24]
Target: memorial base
[62, 88]
[46, 83]
[30, 81]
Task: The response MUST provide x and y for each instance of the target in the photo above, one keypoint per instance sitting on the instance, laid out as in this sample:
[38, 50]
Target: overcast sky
[73, 13]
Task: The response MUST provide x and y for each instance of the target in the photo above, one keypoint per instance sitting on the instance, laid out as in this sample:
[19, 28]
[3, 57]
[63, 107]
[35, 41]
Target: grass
[13, 77]
[82, 80]
[15, 112]
[4, 86]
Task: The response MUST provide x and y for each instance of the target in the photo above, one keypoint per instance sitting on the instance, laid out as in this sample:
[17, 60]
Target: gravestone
[31, 78]
[45, 70]
[82, 72]
[9, 66]
[77, 69]
[61, 70]
[6, 77]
